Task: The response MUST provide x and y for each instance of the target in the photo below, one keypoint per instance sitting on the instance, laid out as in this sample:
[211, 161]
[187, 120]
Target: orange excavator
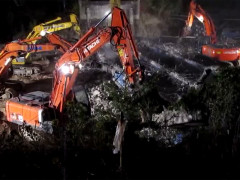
[212, 50]
[35, 108]
[20, 48]
[219, 53]
[195, 10]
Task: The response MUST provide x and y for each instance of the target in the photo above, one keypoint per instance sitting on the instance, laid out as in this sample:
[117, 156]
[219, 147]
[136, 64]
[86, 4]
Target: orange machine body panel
[28, 108]
[221, 54]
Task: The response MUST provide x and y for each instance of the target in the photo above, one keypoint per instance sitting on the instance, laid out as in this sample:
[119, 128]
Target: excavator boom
[50, 27]
[61, 43]
[195, 10]
[15, 49]
[115, 3]
[66, 70]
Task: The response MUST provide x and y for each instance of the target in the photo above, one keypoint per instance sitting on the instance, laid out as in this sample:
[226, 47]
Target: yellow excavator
[115, 3]
[50, 27]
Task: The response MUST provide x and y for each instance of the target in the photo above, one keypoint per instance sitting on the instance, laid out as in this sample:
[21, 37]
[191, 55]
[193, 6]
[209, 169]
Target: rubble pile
[173, 117]
[99, 100]
[166, 120]
[167, 136]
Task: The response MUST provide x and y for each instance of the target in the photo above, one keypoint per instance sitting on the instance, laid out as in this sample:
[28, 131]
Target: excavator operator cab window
[48, 115]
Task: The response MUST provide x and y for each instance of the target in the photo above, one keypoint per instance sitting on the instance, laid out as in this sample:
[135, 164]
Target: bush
[218, 101]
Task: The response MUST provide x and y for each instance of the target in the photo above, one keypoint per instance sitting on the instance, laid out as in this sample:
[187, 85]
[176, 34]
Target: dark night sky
[15, 18]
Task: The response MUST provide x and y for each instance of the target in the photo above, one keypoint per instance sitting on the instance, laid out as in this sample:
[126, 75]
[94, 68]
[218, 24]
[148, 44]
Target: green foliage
[193, 101]
[95, 132]
[122, 101]
[222, 98]
[131, 103]
[218, 100]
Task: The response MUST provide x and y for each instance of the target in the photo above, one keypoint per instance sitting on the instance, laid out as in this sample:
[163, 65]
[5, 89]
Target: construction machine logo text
[88, 48]
[33, 47]
[54, 26]
[16, 117]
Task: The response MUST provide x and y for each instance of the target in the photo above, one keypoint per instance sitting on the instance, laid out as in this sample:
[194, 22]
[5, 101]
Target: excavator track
[27, 70]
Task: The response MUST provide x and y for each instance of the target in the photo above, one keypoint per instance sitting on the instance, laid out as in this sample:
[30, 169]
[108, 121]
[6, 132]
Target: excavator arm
[62, 45]
[21, 47]
[67, 67]
[5, 60]
[195, 10]
[115, 3]
[15, 49]
[38, 28]
[51, 27]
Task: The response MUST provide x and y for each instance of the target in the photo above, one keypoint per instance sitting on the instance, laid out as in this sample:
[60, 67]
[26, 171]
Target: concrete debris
[29, 133]
[173, 117]
[148, 133]
[166, 136]
[99, 100]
